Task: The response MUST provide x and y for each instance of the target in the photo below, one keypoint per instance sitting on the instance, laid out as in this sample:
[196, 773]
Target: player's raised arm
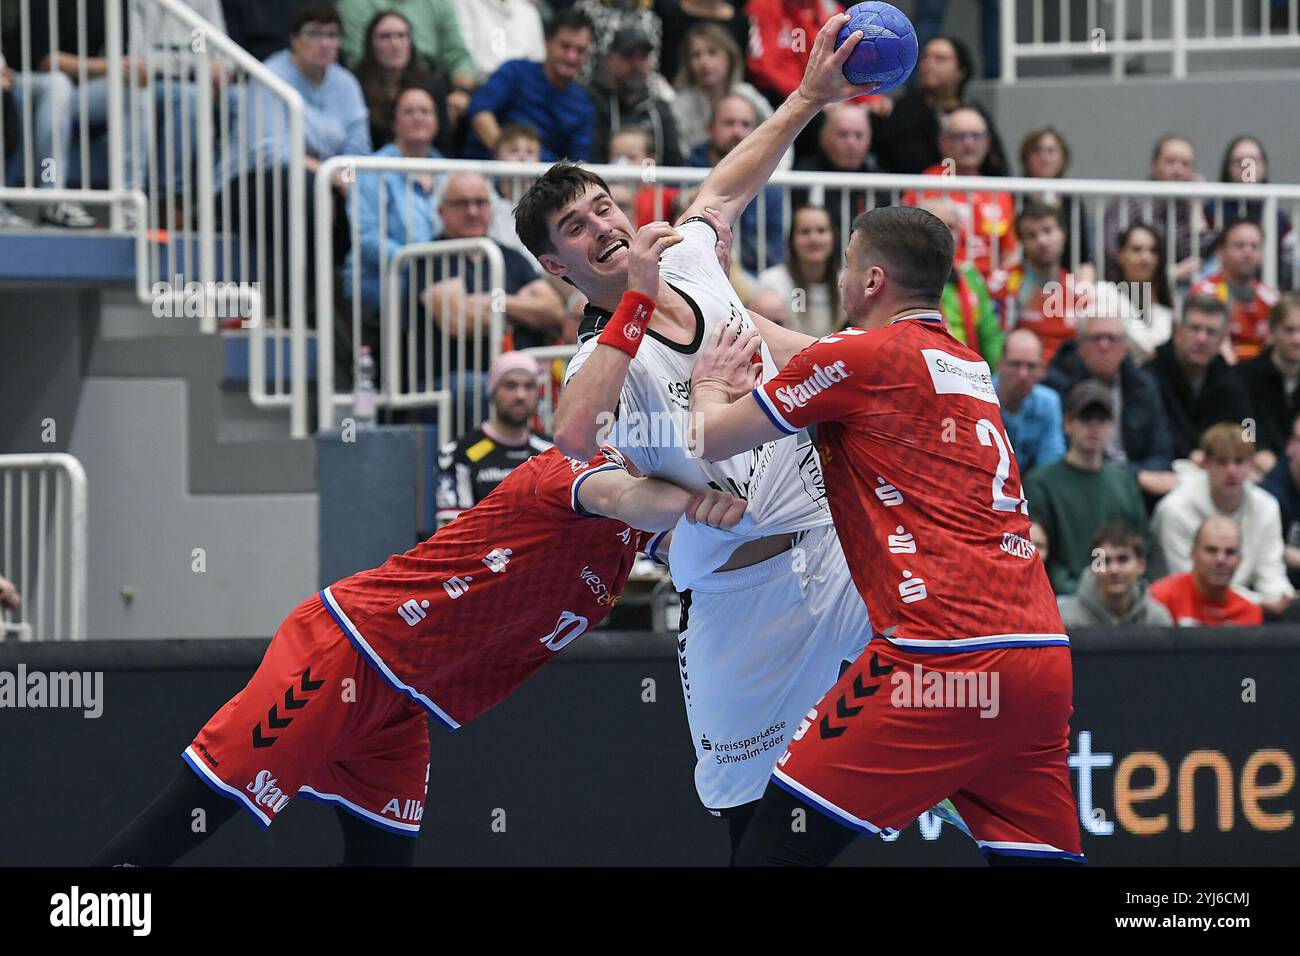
[725, 417]
[651, 504]
[783, 343]
[736, 180]
[593, 392]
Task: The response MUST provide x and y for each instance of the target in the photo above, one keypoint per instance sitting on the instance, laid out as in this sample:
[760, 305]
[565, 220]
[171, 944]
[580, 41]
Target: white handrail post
[207, 214]
[324, 222]
[297, 275]
[116, 127]
[1008, 26]
[1180, 39]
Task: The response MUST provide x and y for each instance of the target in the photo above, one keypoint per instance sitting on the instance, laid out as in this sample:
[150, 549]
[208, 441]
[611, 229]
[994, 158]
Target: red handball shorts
[901, 731]
[318, 721]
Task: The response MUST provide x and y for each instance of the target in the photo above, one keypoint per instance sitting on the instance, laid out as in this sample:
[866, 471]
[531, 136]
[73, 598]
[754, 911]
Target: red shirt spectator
[1248, 317]
[1046, 310]
[781, 35]
[987, 218]
[1189, 606]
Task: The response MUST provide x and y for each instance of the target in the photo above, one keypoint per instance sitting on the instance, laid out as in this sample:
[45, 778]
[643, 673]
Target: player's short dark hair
[314, 11]
[558, 186]
[914, 244]
[1222, 238]
[1035, 211]
[1205, 305]
[1120, 534]
[570, 20]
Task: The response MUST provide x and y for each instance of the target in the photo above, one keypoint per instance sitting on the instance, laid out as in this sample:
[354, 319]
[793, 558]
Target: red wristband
[626, 327]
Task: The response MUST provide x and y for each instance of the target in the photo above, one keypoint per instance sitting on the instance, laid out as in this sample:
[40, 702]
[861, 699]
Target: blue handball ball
[888, 49]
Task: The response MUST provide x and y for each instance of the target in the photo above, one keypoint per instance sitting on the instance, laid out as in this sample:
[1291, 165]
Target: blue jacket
[1035, 431]
[1282, 486]
[389, 191]
[518, 92]
[747, 231]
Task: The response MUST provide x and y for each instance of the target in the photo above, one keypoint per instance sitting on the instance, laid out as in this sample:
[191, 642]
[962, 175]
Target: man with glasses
[1196, 383]
[1140, 439]
[1031, 412]
[987, 238]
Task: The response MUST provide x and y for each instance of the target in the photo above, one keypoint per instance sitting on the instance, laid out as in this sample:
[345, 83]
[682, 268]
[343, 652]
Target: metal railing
[1117, 30]
[546, 395]
[43, 545]
[1099, 209]
[205, 156]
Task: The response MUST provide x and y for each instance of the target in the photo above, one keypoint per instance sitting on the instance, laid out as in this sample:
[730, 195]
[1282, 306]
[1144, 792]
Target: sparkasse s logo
[797, 396]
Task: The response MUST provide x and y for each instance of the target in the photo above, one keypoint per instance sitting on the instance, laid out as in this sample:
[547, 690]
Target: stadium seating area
[1160, 305]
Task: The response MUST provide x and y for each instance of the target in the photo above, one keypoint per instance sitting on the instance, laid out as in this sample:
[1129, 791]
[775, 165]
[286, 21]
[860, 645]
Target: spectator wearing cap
[624, 97]
[1196, 383]
[1203, 596]
[1031, 412]
[1283, 483]
[1140, 439]
[545, 96]
[1271, 379]
[1223, 488]
[608, 17]
[470, 468]
[1073, 498]
[1113, 593]
[1237, 285]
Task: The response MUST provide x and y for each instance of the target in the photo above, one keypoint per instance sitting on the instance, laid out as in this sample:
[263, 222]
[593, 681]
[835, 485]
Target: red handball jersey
[923, 486]
[1248, 320]
[461, 620]
[1047, 311]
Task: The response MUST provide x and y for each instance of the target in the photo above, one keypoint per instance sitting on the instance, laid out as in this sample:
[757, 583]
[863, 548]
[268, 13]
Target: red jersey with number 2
[922, 484]
[460, 621]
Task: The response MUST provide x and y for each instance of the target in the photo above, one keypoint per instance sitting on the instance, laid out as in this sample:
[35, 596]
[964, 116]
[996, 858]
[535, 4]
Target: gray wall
[261, 550]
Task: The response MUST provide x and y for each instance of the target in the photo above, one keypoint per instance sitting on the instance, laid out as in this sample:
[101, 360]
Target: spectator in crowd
[1223, 488]
[518, 143]
[1144, 277]
[388, 66]
[9, 597]
[1244, 161]
[260, 26]
[911, 143]
[1271, 379]
[1237, 285]
[8, 121]
[1114, 593]
[1283, 483]
[651, 202]
[1044, 154]
[499, 30]
[1172, 161]
[335, 123]
[987, 238]
[1077, 495]
[404, 204]
[471, 467]
[623, 98]
[808, 280]
[608, 17]
[734, 118]
[1031, 412]
[843, 146]
[1140, 438]
[711, 67]
[681, 17]
[966, 304]
[928, 17]
[1038, 293]
[544, 95]
[437, 38]
[1197, 385]
[534, 310]
[772, 306]
[1203, 596]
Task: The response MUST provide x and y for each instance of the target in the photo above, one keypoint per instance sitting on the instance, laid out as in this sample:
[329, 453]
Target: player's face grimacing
[591, 236]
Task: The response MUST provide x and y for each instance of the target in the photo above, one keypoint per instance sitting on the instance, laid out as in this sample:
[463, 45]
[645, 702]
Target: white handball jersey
[782, 480]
